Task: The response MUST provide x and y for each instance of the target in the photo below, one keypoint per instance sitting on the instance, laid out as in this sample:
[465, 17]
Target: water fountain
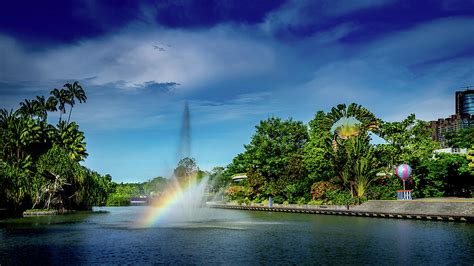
[182, 202]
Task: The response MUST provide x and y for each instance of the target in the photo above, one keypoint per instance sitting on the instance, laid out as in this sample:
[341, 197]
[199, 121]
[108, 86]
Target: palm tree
[76, 92]
[70, 138]
[62, 97]
[27, 108]
[39, 107]
[18, 133]
[352, 153]
[51, 104]
[364, 165]
[354, 114]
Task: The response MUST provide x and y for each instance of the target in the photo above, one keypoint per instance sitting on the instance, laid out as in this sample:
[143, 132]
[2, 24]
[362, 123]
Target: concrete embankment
[462, 211]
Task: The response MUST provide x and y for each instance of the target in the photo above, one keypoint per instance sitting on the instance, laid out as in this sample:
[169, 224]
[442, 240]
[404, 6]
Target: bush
[316, 202]
[236, 192]
[385, 188]
[339, 197]
[301, 201]
[243, 200]
[319, 189]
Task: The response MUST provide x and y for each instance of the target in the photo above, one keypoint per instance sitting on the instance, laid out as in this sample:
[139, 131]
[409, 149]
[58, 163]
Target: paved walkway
[428, 209]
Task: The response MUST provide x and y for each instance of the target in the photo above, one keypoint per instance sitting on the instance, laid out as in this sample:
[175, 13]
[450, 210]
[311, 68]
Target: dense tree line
[40, 162]
[121, 193]
[186, 169]
[333, 160]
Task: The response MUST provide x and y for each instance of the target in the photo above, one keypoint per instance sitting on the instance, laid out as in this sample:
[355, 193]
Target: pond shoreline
[33, 212]
[446, 211]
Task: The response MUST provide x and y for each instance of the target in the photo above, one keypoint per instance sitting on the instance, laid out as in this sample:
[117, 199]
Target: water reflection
[233, 237]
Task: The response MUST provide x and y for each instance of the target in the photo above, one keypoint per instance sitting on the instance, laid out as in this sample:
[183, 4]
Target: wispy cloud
[309, 15]
[296, 61]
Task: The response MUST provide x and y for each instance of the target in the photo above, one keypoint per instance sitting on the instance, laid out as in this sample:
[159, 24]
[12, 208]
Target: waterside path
[434, 210]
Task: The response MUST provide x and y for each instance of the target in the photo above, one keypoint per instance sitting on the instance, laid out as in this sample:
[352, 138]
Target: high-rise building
[464, 117]
[465, 102]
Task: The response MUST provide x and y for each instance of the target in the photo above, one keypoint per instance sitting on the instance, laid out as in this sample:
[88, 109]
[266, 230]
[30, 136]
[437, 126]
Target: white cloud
[275, 77]
[194, 58]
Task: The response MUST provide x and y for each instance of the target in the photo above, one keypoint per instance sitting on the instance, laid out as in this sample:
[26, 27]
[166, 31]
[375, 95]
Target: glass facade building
[465, 102]
[468, 103]
[464, 117]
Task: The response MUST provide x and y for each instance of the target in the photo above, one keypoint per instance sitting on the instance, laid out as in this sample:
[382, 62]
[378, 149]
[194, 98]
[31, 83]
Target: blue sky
[235, 62]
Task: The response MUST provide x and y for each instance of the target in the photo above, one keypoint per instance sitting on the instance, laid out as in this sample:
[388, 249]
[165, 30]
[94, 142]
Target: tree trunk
[69, 117]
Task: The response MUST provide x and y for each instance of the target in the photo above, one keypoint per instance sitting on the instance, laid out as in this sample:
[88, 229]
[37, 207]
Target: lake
[111, 236]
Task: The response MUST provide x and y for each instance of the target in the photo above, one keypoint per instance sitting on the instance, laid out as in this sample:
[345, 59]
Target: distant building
[464, 117]
[465, 102]
[239, 177]
[452, 150]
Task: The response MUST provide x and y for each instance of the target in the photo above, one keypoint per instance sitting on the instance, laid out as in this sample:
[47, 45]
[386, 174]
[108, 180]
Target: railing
[404, 195]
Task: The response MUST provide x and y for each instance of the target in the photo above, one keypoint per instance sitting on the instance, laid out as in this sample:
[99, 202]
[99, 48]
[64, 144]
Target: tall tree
[317, 152]
[63, 97]
[40, 107]
[186, 167]
[408, 141]
[52, 104]
[75, 91]
[276, 146]
[27, 108]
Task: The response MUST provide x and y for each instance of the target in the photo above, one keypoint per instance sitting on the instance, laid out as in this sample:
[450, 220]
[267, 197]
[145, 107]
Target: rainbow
[174, 192]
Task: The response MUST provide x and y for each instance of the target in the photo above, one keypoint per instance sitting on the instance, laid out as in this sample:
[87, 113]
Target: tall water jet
[185, 134]
[182, 200]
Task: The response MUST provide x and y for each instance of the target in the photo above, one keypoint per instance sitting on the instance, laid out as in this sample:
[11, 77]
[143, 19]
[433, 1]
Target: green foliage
[39, 163]
[71, 139]
[464, 138]
[385, 188]
[155, 186]
[320, 189]
[74, 91]
[316, 202]
[317, 150]
[218, 180]
[408, 141]
[186, 167]
[122, 193]
[275, 160]
[340, 197]
[15, 184]
[444, 175]
[470, 158]
[283, 161]
[64, 184]
[236, 192]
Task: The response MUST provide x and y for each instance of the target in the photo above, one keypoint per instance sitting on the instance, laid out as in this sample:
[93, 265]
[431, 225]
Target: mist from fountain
[183, 201]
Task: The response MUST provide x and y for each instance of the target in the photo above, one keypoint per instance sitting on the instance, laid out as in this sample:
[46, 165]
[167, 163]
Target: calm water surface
[111, 236]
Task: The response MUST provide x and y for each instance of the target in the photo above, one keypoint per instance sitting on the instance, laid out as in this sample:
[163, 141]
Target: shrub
[301, 201]
[339, 197]
[316, 202]
[278, 199]
[236, 192]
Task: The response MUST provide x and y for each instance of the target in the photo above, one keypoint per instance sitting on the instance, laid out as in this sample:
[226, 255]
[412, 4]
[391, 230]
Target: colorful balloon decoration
[403, 171]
